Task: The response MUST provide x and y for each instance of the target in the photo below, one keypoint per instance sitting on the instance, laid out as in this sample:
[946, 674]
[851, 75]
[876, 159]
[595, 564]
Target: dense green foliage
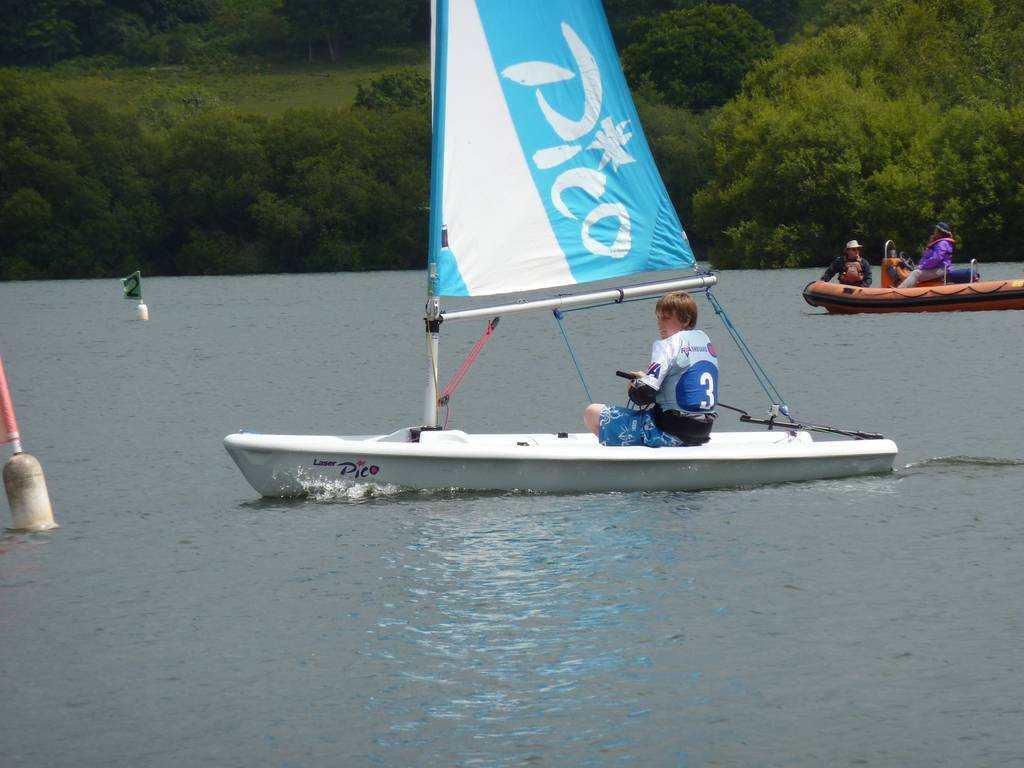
[76, 192]
[342, 24]
[782, 17]
[202, 31]
[782, 129]
[85, 193]
[874, 129]
[397, 89]
[695, 58]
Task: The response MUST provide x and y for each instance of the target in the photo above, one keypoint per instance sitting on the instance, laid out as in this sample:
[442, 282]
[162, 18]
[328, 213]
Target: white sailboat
[542, 179]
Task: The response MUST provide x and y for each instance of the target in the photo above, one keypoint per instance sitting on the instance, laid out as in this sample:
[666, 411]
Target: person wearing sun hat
[936, 258]
[852, 268]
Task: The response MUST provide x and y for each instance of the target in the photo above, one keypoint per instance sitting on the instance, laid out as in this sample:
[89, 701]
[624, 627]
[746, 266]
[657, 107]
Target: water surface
[177, 619]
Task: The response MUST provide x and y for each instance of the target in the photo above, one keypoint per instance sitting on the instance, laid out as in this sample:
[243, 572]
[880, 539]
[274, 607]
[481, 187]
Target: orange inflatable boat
[935, 296]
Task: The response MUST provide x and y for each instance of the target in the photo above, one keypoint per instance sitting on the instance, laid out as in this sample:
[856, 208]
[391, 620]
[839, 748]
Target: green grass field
[267, 89]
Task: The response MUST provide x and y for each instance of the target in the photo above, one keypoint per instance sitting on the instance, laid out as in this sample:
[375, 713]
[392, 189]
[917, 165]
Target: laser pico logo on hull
[357, 470]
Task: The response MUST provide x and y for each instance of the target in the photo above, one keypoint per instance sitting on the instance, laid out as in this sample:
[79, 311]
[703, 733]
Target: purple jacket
[937, 253]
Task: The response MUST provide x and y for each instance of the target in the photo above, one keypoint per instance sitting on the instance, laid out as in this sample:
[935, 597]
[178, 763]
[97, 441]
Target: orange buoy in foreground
[23, 475]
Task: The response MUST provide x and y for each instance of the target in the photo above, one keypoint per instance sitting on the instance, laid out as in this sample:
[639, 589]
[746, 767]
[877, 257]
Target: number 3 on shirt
[708, 382]
[697, 390]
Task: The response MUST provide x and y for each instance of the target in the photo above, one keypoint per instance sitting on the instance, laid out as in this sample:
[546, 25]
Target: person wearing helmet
[852, 268]
[936, 258]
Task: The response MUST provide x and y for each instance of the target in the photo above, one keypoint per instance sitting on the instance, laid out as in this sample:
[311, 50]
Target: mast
[432, 321]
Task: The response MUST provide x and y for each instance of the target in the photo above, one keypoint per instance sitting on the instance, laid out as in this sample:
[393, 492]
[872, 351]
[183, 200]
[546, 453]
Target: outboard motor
[895, 266]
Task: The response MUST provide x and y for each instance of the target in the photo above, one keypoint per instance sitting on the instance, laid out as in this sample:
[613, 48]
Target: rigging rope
[778, 407]
[559, 315]
[778, 402]
[460, 374]
[759, 373]
[748, 355]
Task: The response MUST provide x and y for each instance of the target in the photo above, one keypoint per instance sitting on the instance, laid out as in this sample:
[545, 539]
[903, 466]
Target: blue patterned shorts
[625, 426]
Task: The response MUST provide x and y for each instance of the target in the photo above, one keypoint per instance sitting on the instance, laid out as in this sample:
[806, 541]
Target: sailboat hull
[541, 179]
[295, 465]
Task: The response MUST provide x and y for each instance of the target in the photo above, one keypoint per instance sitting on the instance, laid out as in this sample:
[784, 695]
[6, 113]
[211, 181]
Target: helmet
[943, 227]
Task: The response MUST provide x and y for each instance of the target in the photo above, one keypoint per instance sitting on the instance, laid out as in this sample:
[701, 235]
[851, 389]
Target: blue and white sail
[542, 176]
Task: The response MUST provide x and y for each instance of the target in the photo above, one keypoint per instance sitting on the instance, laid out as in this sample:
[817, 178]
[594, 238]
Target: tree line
[195, 32]
[88, 193]
[782, 130]
[879, 120]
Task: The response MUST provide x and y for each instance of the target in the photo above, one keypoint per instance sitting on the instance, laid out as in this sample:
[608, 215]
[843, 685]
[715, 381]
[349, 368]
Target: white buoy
[23, 475]
[132, 286]
[27, 495]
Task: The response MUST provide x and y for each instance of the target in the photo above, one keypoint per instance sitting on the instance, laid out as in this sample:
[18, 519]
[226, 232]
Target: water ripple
[528, 618]
[979, 461]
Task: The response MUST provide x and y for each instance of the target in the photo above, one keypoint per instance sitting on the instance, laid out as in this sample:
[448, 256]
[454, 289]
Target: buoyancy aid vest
[932, 260]
[691, 385]
[853, 274]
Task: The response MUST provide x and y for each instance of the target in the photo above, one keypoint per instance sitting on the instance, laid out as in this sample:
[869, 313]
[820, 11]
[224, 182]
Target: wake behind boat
[541, 178]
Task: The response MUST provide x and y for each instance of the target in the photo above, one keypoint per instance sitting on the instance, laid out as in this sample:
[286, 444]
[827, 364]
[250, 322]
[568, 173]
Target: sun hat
[853, 244]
